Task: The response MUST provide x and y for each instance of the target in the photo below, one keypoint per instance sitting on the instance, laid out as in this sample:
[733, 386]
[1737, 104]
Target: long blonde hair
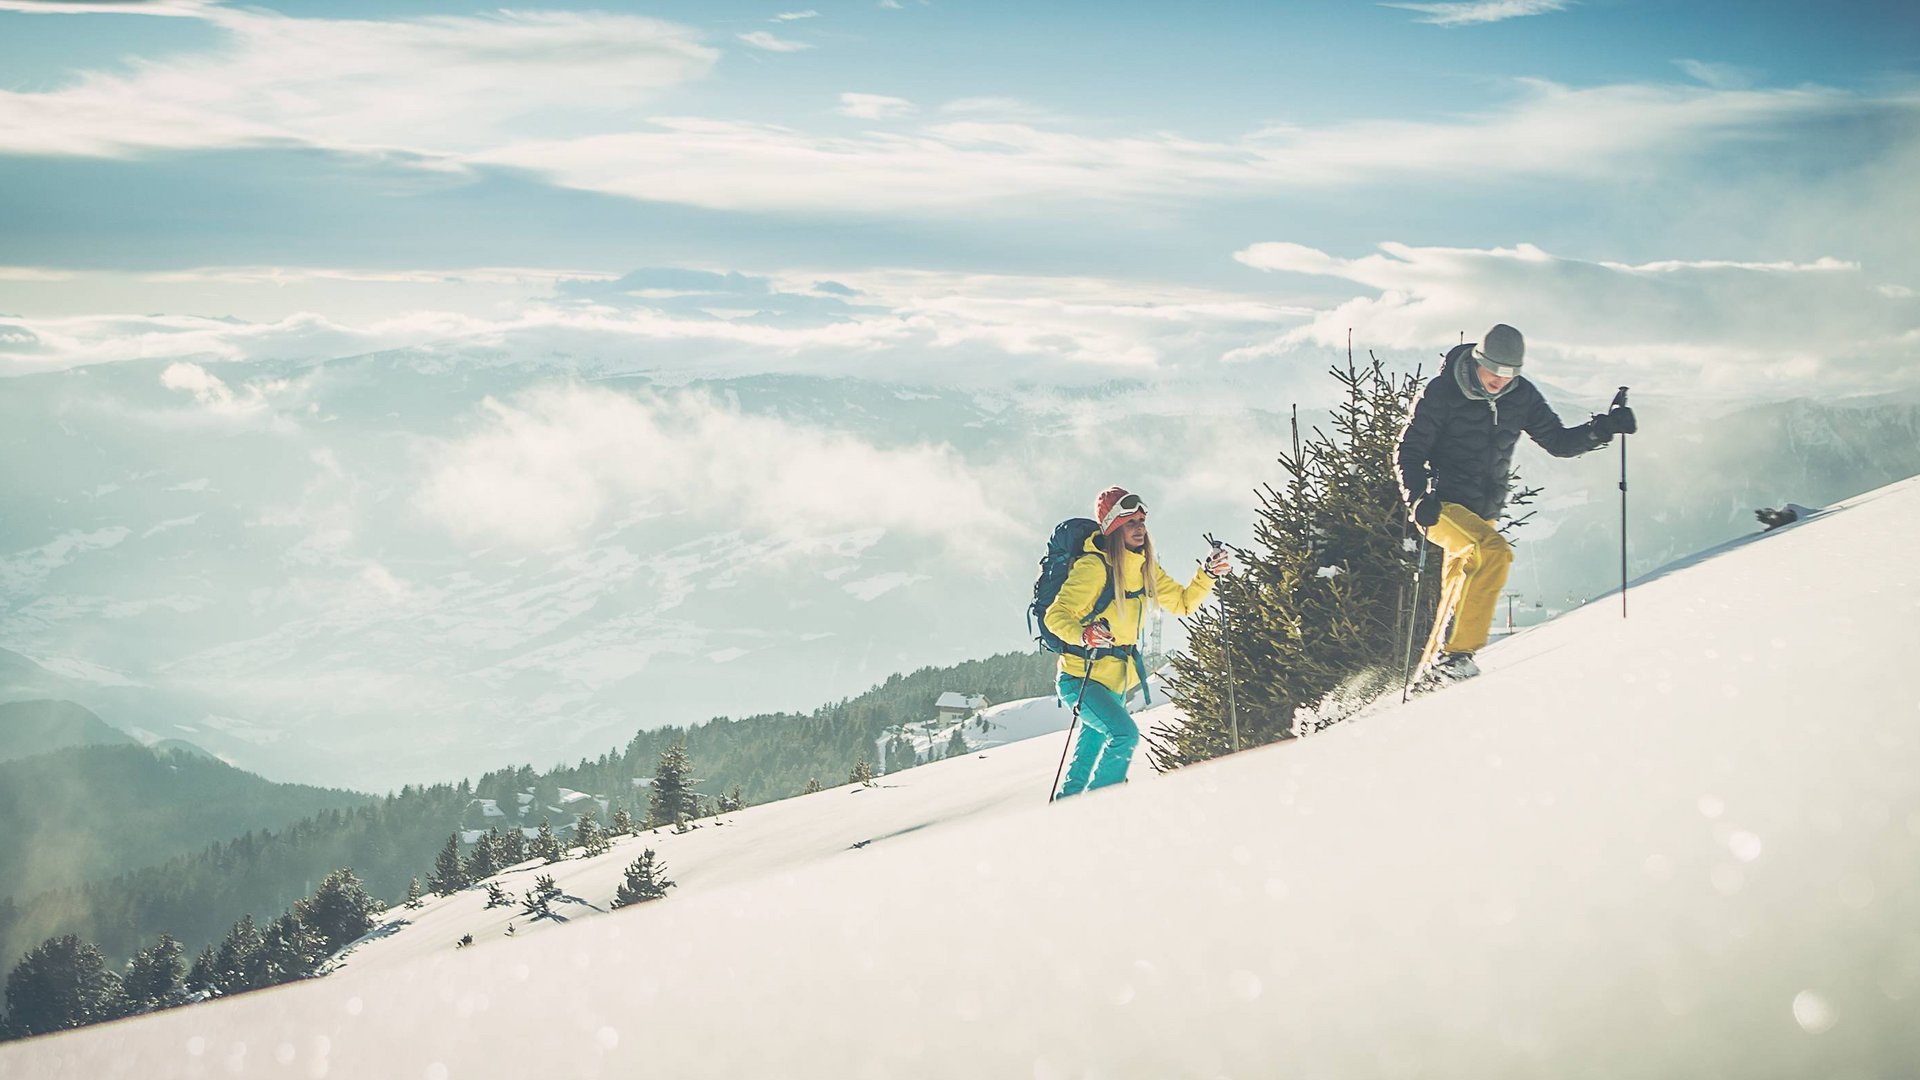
[1116, 574]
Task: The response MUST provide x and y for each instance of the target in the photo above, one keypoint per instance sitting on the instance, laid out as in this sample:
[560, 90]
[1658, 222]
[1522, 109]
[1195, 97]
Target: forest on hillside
[388, 842]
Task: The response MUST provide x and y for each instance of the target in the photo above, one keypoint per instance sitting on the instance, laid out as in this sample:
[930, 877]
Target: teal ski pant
[1107, 736]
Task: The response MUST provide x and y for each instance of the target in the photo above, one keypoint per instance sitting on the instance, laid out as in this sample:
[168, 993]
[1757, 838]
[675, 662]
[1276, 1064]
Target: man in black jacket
[1455, 458]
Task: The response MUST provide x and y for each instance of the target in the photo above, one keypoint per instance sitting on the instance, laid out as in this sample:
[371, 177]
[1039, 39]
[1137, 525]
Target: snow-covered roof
[568, 796]
[952, 700]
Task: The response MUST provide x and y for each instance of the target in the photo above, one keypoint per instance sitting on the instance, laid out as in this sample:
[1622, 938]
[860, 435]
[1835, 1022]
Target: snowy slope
[1683, 844]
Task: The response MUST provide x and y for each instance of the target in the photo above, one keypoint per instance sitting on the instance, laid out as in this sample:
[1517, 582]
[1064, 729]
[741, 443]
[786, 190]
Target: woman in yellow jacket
[1120, 554]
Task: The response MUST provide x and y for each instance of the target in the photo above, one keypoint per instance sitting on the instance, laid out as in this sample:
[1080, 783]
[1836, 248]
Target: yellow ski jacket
[1124, 615]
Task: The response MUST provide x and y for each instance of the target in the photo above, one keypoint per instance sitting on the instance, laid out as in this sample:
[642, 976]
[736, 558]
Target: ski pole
[1619, 400]
[1054, 792]
[1413, 620]
[1226, 644]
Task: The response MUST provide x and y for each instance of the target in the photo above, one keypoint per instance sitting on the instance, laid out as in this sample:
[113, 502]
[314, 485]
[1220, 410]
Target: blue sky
[1719, 192]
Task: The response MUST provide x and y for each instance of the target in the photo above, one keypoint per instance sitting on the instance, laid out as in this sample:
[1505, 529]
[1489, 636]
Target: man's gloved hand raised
[1615, 421]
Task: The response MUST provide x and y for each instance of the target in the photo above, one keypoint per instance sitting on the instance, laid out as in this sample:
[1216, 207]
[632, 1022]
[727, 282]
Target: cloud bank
[545, 468]
[1823, 325]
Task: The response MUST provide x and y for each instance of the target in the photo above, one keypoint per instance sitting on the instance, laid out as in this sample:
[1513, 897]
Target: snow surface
[1683, 844]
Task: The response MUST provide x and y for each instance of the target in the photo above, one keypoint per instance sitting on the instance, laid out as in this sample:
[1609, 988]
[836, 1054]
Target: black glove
[1426, 510]
[1615, 421]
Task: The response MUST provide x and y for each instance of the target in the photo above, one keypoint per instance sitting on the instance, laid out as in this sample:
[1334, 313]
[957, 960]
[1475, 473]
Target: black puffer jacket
[1464, 443]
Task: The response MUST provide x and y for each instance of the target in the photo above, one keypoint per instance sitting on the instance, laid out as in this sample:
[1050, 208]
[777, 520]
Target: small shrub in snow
[645, 880]
[538, 901]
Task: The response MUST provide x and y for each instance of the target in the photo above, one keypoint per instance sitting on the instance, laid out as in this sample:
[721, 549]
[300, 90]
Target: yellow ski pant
[1471, 579]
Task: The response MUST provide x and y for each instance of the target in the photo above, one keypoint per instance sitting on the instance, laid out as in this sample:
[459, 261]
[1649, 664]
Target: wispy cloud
[433, 85]
[547, 466]
[1717, 75]
[874, 106]
[1475, 12]
[908, 326]
[176, 8]
[999, 108]
[211, 392]
[1015, 168]
[761, 39]
[1706, 322]
[792, 16]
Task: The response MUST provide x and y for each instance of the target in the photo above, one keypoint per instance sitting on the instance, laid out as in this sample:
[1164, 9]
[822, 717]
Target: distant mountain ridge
[84, 813]
[46, 725]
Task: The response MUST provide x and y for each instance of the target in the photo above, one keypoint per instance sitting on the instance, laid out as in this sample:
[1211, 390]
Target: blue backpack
[1066, 546]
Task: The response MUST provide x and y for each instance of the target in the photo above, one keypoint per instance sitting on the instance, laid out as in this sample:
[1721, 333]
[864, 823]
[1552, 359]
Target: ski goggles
[1128, 505]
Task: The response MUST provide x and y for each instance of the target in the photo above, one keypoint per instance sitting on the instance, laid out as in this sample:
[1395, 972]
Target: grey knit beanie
[1501, 350]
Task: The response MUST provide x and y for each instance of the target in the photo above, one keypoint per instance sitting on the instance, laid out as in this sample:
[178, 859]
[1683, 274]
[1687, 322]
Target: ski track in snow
[1685, 843]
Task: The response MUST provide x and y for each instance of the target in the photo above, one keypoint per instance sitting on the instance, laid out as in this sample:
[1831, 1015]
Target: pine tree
[497, 896]
[448, 875]
[1317, 611]
[235, 964]
[62, 983]
[480, 863]
[413, 894]
[813, 786]
[514, 848]
[546, 845]
[862, 773]
[591, 838]
[340, 912]
[645, 880]
[156, 977]
[622, 821]
[670, 801]
[732, 801]
[201, 976]
[289, 950]
[957, 746]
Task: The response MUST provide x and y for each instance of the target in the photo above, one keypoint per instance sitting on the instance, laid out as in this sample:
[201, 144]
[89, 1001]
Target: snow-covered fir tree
[339, 911]
[482, 861]
[201, 976]
[62, 983]
[957, 745]
[862, 773]
[813, 786]
[234, 963]
[156, 976]
[513, 847]
[449, 875]
[670, 801]
[1320, 601]
[645, 880]
[591, 838]
[413, 893]
[497, 896]
[289, 950]
[546, 846]
[622, 823]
